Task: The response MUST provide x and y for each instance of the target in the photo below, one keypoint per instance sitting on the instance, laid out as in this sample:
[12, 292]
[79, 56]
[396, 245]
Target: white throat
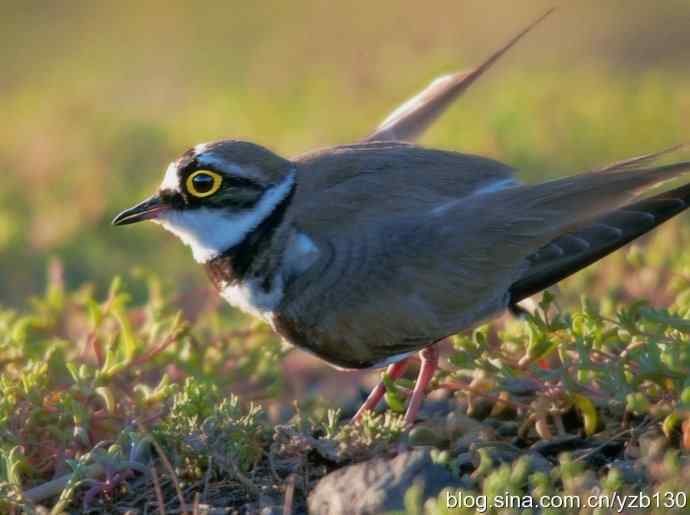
[210, 232]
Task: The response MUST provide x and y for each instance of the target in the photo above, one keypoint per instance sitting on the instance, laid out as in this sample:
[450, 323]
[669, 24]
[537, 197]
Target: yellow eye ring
[203, 183]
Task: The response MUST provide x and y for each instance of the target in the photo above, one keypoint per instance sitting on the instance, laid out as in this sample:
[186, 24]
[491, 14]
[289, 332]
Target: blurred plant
[78, 376]
[637, 360]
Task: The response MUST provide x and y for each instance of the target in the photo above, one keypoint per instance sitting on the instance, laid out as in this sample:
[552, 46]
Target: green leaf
[127, 336]
[664, 317]
[395, 403]
[588, 412]
[671, 422]
[106, 394]
[637, 403]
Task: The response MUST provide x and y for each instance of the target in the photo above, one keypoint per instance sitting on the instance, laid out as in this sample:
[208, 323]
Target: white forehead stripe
[209, 160]
[170, 179]
[201, 148]
[210, 232]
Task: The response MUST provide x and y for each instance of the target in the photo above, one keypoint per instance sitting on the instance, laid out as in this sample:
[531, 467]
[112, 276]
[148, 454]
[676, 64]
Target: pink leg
[429, 357]
[394, 371]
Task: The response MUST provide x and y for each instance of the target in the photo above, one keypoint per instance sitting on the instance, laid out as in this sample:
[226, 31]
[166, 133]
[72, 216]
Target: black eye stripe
[228, 180]
[172, 198]
[241, 182]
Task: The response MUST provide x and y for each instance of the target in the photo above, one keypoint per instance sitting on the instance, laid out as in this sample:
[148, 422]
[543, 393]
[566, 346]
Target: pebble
[379, 485]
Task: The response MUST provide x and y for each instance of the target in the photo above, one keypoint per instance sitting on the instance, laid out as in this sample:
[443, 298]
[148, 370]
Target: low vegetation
[109, 404]
[146, 394]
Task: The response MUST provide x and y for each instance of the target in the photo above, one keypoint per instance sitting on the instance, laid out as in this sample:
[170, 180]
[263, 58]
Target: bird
[369, 253]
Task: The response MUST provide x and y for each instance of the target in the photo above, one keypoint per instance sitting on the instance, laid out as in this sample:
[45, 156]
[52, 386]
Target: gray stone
[465, 462]
[425, 435]
[500, 452]
[557, 445]
[652, 444]
[378, 485]
[538, 463]
[632, 471]
[459, 424]
[508, 429]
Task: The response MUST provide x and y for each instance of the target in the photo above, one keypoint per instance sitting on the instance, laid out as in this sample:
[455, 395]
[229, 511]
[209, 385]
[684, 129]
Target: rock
[520, 442]
[492, 422]
[631, 472]
[264, 505]
[537, 463]
[467, 432]
[557, 445]
[471, 441]
[465, 463]
[425, 435]
[480, 408]
[459, 424]
[508, 429]
[378, 485]
[652, 444]
[500, 452]
[438, 403]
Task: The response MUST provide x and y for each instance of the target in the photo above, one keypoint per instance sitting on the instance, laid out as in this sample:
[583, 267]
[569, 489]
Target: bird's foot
[429, 363]
[393, 371]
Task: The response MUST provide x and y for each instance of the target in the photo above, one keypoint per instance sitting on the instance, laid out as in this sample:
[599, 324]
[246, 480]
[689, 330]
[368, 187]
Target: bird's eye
[203, 183]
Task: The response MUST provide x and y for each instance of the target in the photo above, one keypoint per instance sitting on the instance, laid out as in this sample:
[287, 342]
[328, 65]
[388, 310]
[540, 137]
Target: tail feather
[578, 249]
[566, 204]
[638, 161]
[412, 118]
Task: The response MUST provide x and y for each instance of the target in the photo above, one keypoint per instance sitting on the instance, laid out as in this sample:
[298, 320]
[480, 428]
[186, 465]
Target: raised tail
[412, 118]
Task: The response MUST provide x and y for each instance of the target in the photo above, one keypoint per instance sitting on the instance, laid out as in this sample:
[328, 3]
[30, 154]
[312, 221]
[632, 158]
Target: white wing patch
[492, 187]
[496, 186]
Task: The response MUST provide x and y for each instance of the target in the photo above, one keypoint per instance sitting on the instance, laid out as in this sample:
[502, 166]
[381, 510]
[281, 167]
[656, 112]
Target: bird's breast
[252, 297]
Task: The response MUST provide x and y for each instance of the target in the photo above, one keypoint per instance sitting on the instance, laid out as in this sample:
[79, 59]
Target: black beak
[150, 208]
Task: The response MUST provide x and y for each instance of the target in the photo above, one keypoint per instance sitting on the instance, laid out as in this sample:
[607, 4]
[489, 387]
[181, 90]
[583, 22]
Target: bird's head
[216, 194]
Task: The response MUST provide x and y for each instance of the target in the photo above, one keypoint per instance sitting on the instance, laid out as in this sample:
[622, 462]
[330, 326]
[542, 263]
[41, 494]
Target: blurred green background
[97, 98]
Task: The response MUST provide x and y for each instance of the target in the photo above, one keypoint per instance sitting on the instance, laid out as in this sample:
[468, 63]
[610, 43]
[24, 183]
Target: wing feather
[607, 234]
[394, 284]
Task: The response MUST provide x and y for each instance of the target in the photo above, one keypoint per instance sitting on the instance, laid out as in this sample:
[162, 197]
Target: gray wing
[392, 286]
[413, 117]
[344, 185]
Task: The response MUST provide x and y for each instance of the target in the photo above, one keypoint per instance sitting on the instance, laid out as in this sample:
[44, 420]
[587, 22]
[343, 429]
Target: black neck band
[234, 264]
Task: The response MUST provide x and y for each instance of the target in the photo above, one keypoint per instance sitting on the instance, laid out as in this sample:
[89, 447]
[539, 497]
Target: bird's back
[351, 184]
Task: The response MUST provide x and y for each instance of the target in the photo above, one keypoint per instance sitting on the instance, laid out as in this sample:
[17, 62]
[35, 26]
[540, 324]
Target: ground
[110, 405]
